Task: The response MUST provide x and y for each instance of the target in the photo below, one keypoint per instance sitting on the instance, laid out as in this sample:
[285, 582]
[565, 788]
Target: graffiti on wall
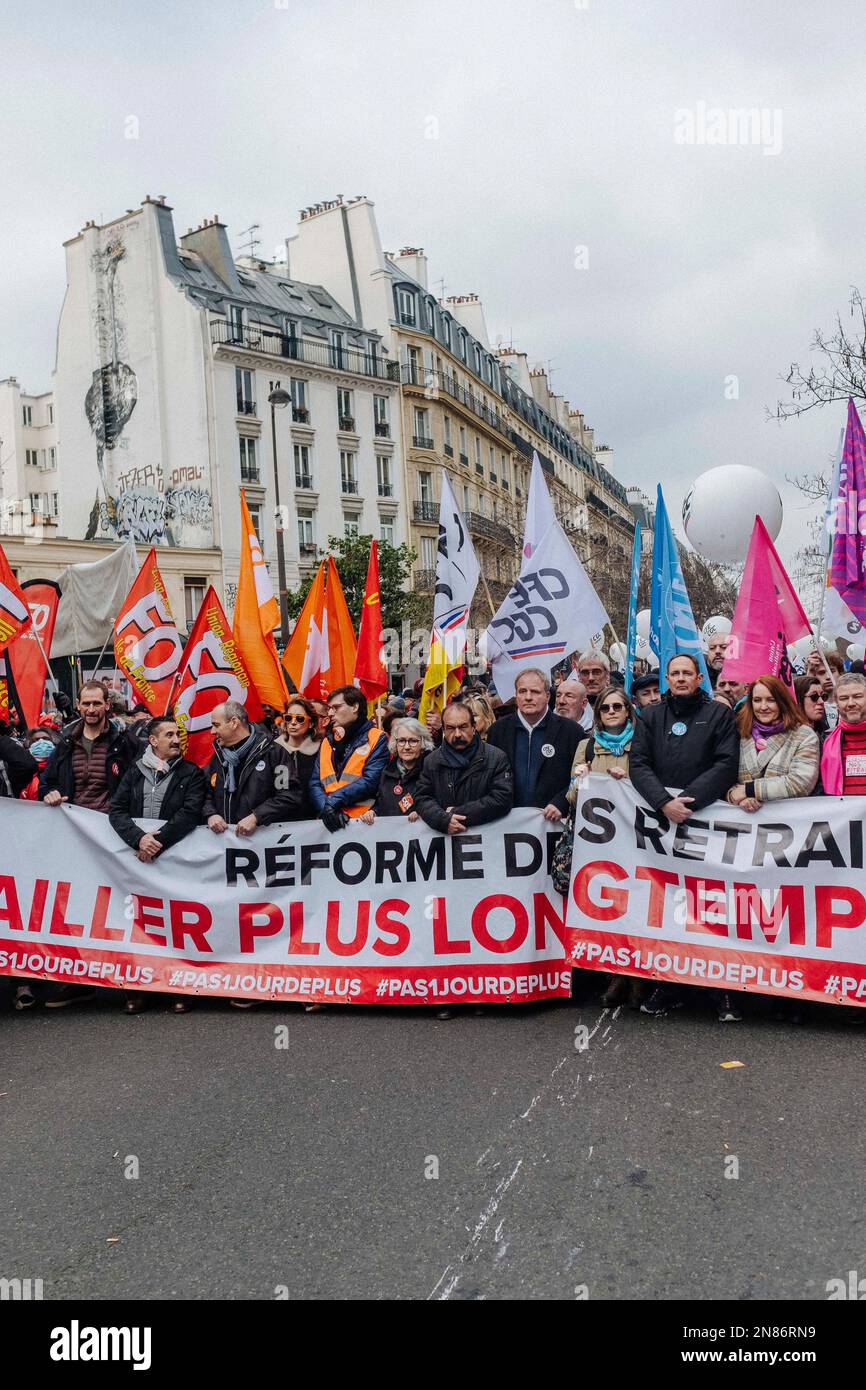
[133, 501]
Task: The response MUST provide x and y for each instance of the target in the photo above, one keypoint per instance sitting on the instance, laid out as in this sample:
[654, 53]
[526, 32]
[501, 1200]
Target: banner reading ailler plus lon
[773, 903]
[391, 913]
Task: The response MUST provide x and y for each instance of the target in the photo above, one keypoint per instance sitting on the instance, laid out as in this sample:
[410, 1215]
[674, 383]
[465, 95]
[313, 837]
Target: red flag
[767, 618]
[212, 672]
[27, 657]
[370, 674]
[14, 613]
[147, 645]
[4, 692]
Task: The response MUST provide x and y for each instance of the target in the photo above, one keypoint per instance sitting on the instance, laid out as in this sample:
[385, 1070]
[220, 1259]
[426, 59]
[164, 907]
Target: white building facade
[29, 458]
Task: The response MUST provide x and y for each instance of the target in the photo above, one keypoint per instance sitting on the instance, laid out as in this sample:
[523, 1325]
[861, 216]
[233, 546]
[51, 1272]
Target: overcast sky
[556, 132]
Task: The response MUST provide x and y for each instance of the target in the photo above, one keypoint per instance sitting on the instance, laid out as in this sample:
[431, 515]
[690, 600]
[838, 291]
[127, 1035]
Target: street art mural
[132, 501]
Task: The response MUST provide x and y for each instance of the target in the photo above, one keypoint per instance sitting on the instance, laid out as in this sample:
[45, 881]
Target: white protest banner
[392, 913]
[773, 902]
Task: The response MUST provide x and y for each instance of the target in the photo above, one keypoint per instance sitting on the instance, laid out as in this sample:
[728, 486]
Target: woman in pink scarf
[779, 752]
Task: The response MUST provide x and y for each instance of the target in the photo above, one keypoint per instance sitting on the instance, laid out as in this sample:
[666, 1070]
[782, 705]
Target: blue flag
[672, 623]
[631, 635]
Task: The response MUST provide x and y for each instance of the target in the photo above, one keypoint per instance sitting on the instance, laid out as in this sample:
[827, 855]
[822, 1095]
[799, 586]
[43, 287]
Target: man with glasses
[593, 672]
[540, 746]
[352, 758]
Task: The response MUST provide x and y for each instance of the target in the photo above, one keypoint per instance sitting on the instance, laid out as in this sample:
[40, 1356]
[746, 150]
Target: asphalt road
[561, 1172]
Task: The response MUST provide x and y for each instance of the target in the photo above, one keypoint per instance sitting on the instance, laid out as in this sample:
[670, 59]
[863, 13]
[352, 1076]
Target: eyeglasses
[815, 695]
[612, 709]
[408, 742]
[297, 718]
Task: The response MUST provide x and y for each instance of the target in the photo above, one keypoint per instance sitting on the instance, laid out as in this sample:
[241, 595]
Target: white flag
[838, 618]
[540, 515]
[457, 572]
[91, 595]
[551, 610]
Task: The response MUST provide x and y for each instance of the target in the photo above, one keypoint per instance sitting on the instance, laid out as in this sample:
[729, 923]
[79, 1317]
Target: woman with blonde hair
[779, 751]
[484, 714]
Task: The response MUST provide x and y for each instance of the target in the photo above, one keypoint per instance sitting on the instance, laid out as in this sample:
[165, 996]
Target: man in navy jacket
[539, 744]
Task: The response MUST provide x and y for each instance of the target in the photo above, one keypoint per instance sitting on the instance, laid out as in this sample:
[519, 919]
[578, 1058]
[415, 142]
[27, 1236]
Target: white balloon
[642, 647]
[653, 660]
[642, 623]
[717, 626]
[828, 643]
[719, 512]
[617, 655]
[856, 652]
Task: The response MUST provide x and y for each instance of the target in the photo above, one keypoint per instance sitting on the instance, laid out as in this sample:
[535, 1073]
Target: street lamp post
[277, 400]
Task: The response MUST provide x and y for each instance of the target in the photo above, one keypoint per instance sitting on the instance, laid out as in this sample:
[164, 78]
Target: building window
[422, 438]
[386, 529]
[306, 538]
[28, 414]
[466, 507]
[249, 464]
[504, 471]
[406, 301]
[428, 553]
[52, 457]
[464, 457]
[425, 487]
[338, 348]
[479, 467]
[350, 523]
[55, 504]
[413, 366]
[31, 458]
[300, 411]
[348, 472]
[346, 408]
[303, 471]
[446, 431]
[383, 476]
[380, 417]
[193, 598]
[255, 511]
[51, 414]
[236, 323]
[244, 391]
[37, 503]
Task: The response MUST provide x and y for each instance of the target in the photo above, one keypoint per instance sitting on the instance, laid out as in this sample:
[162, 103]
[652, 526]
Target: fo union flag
[147, 645]
[213, 671]
[14, 613]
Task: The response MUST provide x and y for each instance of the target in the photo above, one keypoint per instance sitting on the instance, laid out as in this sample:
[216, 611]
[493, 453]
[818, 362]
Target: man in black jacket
[465, 782]
[687, 742]
[684, 755]
[251, 779]
[89, 762]
[160, 785]
[539, 744]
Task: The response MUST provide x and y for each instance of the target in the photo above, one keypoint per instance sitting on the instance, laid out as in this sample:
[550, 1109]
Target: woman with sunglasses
[811, 699]
[607, 750]
[409, 745]
[301, 737]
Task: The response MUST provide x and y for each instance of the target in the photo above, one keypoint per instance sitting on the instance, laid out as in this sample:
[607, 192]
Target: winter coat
[703, 762]
[387, 800]
[181, 809]
[17, 767]
[365, 787]
[788, 766]
[59, 773]
[266, 785]
[482, 791]
[554, 771]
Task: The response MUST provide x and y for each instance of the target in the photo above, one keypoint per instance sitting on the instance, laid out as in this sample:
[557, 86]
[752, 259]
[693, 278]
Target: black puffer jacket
[266, 785]
[387, 800]
[58, 774]
[702, 762]
[482, 791]
[17, 767]
[181, 805]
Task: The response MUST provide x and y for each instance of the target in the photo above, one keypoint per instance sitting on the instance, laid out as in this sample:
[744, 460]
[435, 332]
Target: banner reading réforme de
[773, 903]
[391, 913]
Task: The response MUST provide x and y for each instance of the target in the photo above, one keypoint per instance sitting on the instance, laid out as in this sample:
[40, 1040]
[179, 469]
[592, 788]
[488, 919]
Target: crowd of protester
[463, 767]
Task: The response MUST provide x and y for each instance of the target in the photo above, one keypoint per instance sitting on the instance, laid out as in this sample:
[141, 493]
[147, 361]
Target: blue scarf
[233, 758]
[460, 757]
[614, 743]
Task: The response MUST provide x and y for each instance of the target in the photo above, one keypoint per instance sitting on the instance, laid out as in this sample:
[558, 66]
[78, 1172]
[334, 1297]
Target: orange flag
[256, 615]
[370, 674]
[147, 645]
[14, 613]
[321, 650]
[213, 671]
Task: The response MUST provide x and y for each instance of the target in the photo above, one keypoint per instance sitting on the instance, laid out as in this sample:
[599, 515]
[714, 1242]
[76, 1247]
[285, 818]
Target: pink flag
[846, 566]
[767, 618]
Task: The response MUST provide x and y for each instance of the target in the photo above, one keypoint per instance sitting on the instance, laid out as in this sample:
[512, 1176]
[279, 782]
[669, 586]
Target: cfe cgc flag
[147, 645]
[551, 610]
[212, 672]
[28, 657]
[14, 613]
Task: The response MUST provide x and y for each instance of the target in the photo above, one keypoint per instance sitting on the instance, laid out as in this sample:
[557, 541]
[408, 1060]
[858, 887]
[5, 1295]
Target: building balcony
[422, 441]
[300, 415]
[386, 489]
[347, 422]
[307, 549]
[250, 475]
[426, 511]
[349, 487]
[444, 381]
[383, 429]
[304, 482]
[449, 450]
[246, 408]
[479, 469]
[424, 581]
[488, 528]
[272, 343]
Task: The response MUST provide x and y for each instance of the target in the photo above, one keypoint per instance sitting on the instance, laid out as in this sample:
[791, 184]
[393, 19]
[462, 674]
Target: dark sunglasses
[612, 709]
[297, 718]
[814, 695]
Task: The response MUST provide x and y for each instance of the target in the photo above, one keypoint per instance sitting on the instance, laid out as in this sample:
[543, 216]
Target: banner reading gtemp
[386, 914]
[774, 902]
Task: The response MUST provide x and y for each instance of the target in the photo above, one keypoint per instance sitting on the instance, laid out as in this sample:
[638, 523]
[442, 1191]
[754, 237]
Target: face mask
[42, 748]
